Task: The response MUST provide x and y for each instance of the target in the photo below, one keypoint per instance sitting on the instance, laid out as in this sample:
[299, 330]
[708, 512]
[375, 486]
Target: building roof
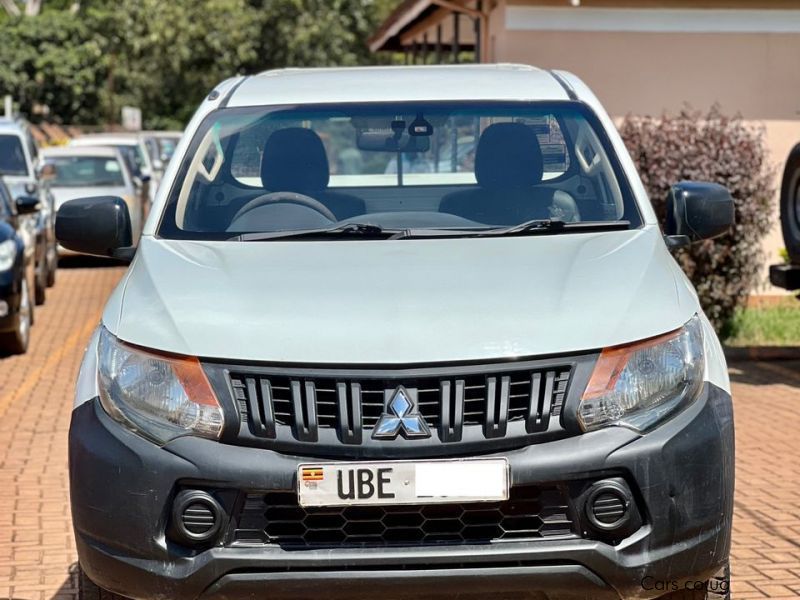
[503, 82]
[412, 19]
[427, 24]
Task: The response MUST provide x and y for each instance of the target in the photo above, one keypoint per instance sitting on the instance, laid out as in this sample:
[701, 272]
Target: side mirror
[141, 179]
[100, 226]
[697, 211]
[27, 205]
[47, 172]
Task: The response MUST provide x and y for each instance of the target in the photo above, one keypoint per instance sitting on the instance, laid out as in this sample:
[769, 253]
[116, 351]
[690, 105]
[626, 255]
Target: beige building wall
[756, 73]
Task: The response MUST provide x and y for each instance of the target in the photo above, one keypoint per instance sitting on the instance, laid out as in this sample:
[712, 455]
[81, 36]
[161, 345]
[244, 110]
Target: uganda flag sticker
[312, 474]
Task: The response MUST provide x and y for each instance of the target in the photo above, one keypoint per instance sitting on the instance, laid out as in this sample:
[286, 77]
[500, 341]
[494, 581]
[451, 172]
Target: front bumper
[681, 474]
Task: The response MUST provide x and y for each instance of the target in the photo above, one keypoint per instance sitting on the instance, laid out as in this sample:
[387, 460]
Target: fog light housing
[610, 509]
[196, 518]
[3, 308]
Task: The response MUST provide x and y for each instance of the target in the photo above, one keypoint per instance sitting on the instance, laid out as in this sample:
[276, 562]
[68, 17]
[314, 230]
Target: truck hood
[400, 302]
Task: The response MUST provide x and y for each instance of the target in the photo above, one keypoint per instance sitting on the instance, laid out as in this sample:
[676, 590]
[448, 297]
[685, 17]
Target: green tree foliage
[165, 56]
[317, 32]
[52, 60]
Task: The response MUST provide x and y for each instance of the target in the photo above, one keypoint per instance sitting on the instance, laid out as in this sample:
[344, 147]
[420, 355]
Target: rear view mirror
[100, 226]
[27, 205]
[386, 141]
[697, 211]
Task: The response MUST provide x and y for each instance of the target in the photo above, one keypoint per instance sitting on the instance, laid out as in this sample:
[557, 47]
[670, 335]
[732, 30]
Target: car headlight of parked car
[8, 252]
[159, 396]
[639, 384]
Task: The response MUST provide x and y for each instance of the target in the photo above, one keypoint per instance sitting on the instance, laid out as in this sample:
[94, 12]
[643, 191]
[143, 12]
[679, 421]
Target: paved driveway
[37, 554]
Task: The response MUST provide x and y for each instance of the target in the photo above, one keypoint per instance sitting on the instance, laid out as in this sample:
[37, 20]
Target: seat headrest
[508, 156]
[294, 160]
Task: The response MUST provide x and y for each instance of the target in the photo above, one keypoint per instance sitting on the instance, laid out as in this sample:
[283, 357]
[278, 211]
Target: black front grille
[276, 518]
[489, 402]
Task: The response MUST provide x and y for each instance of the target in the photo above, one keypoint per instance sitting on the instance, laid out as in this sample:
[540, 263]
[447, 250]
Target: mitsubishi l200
[402, 332]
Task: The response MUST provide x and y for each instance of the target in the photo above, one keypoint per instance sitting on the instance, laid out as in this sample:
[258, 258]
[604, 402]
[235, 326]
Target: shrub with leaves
[711, 147]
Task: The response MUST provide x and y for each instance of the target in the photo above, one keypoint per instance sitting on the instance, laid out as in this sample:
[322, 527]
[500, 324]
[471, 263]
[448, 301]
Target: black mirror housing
[698, 211]
[27, 205]
[100, 226]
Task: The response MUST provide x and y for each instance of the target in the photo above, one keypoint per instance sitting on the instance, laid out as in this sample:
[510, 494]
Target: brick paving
[36, 547]
[37, 553]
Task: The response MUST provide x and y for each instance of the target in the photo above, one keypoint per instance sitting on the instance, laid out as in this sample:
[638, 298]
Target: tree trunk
[33, 8]
[11, 8]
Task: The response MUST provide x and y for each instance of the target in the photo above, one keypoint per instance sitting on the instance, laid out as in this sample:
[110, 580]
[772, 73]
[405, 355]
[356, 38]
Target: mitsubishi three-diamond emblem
[401, 417]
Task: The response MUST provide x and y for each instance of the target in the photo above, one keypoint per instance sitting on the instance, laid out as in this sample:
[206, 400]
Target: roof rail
[567, 87]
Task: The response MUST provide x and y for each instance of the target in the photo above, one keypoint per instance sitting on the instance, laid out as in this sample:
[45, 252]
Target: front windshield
[398, 166]
[86, 171]
[12, 156]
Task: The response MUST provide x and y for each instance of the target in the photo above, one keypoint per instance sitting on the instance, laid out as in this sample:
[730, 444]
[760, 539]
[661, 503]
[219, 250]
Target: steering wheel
[286, 198]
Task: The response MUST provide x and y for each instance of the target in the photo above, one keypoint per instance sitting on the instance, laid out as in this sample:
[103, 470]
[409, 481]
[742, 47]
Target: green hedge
[713, 147]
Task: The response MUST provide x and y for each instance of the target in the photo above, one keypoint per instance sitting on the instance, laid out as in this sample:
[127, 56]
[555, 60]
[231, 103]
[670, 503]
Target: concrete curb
[762, 353]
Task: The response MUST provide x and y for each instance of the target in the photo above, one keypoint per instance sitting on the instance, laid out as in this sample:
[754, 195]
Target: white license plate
[403, 482]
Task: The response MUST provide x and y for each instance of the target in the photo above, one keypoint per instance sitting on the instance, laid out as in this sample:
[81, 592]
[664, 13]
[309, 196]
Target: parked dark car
[17, 272]
[787, 275]
[20, 168]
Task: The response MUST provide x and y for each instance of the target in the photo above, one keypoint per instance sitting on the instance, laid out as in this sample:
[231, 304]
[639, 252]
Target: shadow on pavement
[87, 262]
[766, 373]
[68, 589]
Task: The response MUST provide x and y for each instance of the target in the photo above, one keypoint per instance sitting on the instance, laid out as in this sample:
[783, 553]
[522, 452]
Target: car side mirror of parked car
[141, 179]
[47, 172]
[697, 211]
[100, 226]
[27, 205]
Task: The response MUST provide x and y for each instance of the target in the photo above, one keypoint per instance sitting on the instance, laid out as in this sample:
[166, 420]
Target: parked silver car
[161, 146]
[20, 168]
[82, 171]
[133, 150]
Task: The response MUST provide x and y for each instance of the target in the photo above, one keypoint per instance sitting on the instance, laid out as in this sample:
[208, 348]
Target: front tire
[41, 283]
[17, 340]
[89, 590]
[790, 205]
[52, 266]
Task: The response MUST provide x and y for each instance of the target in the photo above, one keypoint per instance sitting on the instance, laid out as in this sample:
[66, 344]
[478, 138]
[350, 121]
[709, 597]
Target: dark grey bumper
[681, 474]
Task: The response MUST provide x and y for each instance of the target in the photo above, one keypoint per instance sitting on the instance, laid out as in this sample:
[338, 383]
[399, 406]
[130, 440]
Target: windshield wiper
[355, 230]
[532, 227]
[371, 231]
[555, 225]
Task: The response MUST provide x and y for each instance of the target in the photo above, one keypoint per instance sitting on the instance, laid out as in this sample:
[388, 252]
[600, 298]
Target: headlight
[8, 252]
[639, 384]
[161, 397]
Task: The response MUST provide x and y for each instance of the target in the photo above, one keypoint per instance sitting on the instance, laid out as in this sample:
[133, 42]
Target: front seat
[508, 167]
[294, 160]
